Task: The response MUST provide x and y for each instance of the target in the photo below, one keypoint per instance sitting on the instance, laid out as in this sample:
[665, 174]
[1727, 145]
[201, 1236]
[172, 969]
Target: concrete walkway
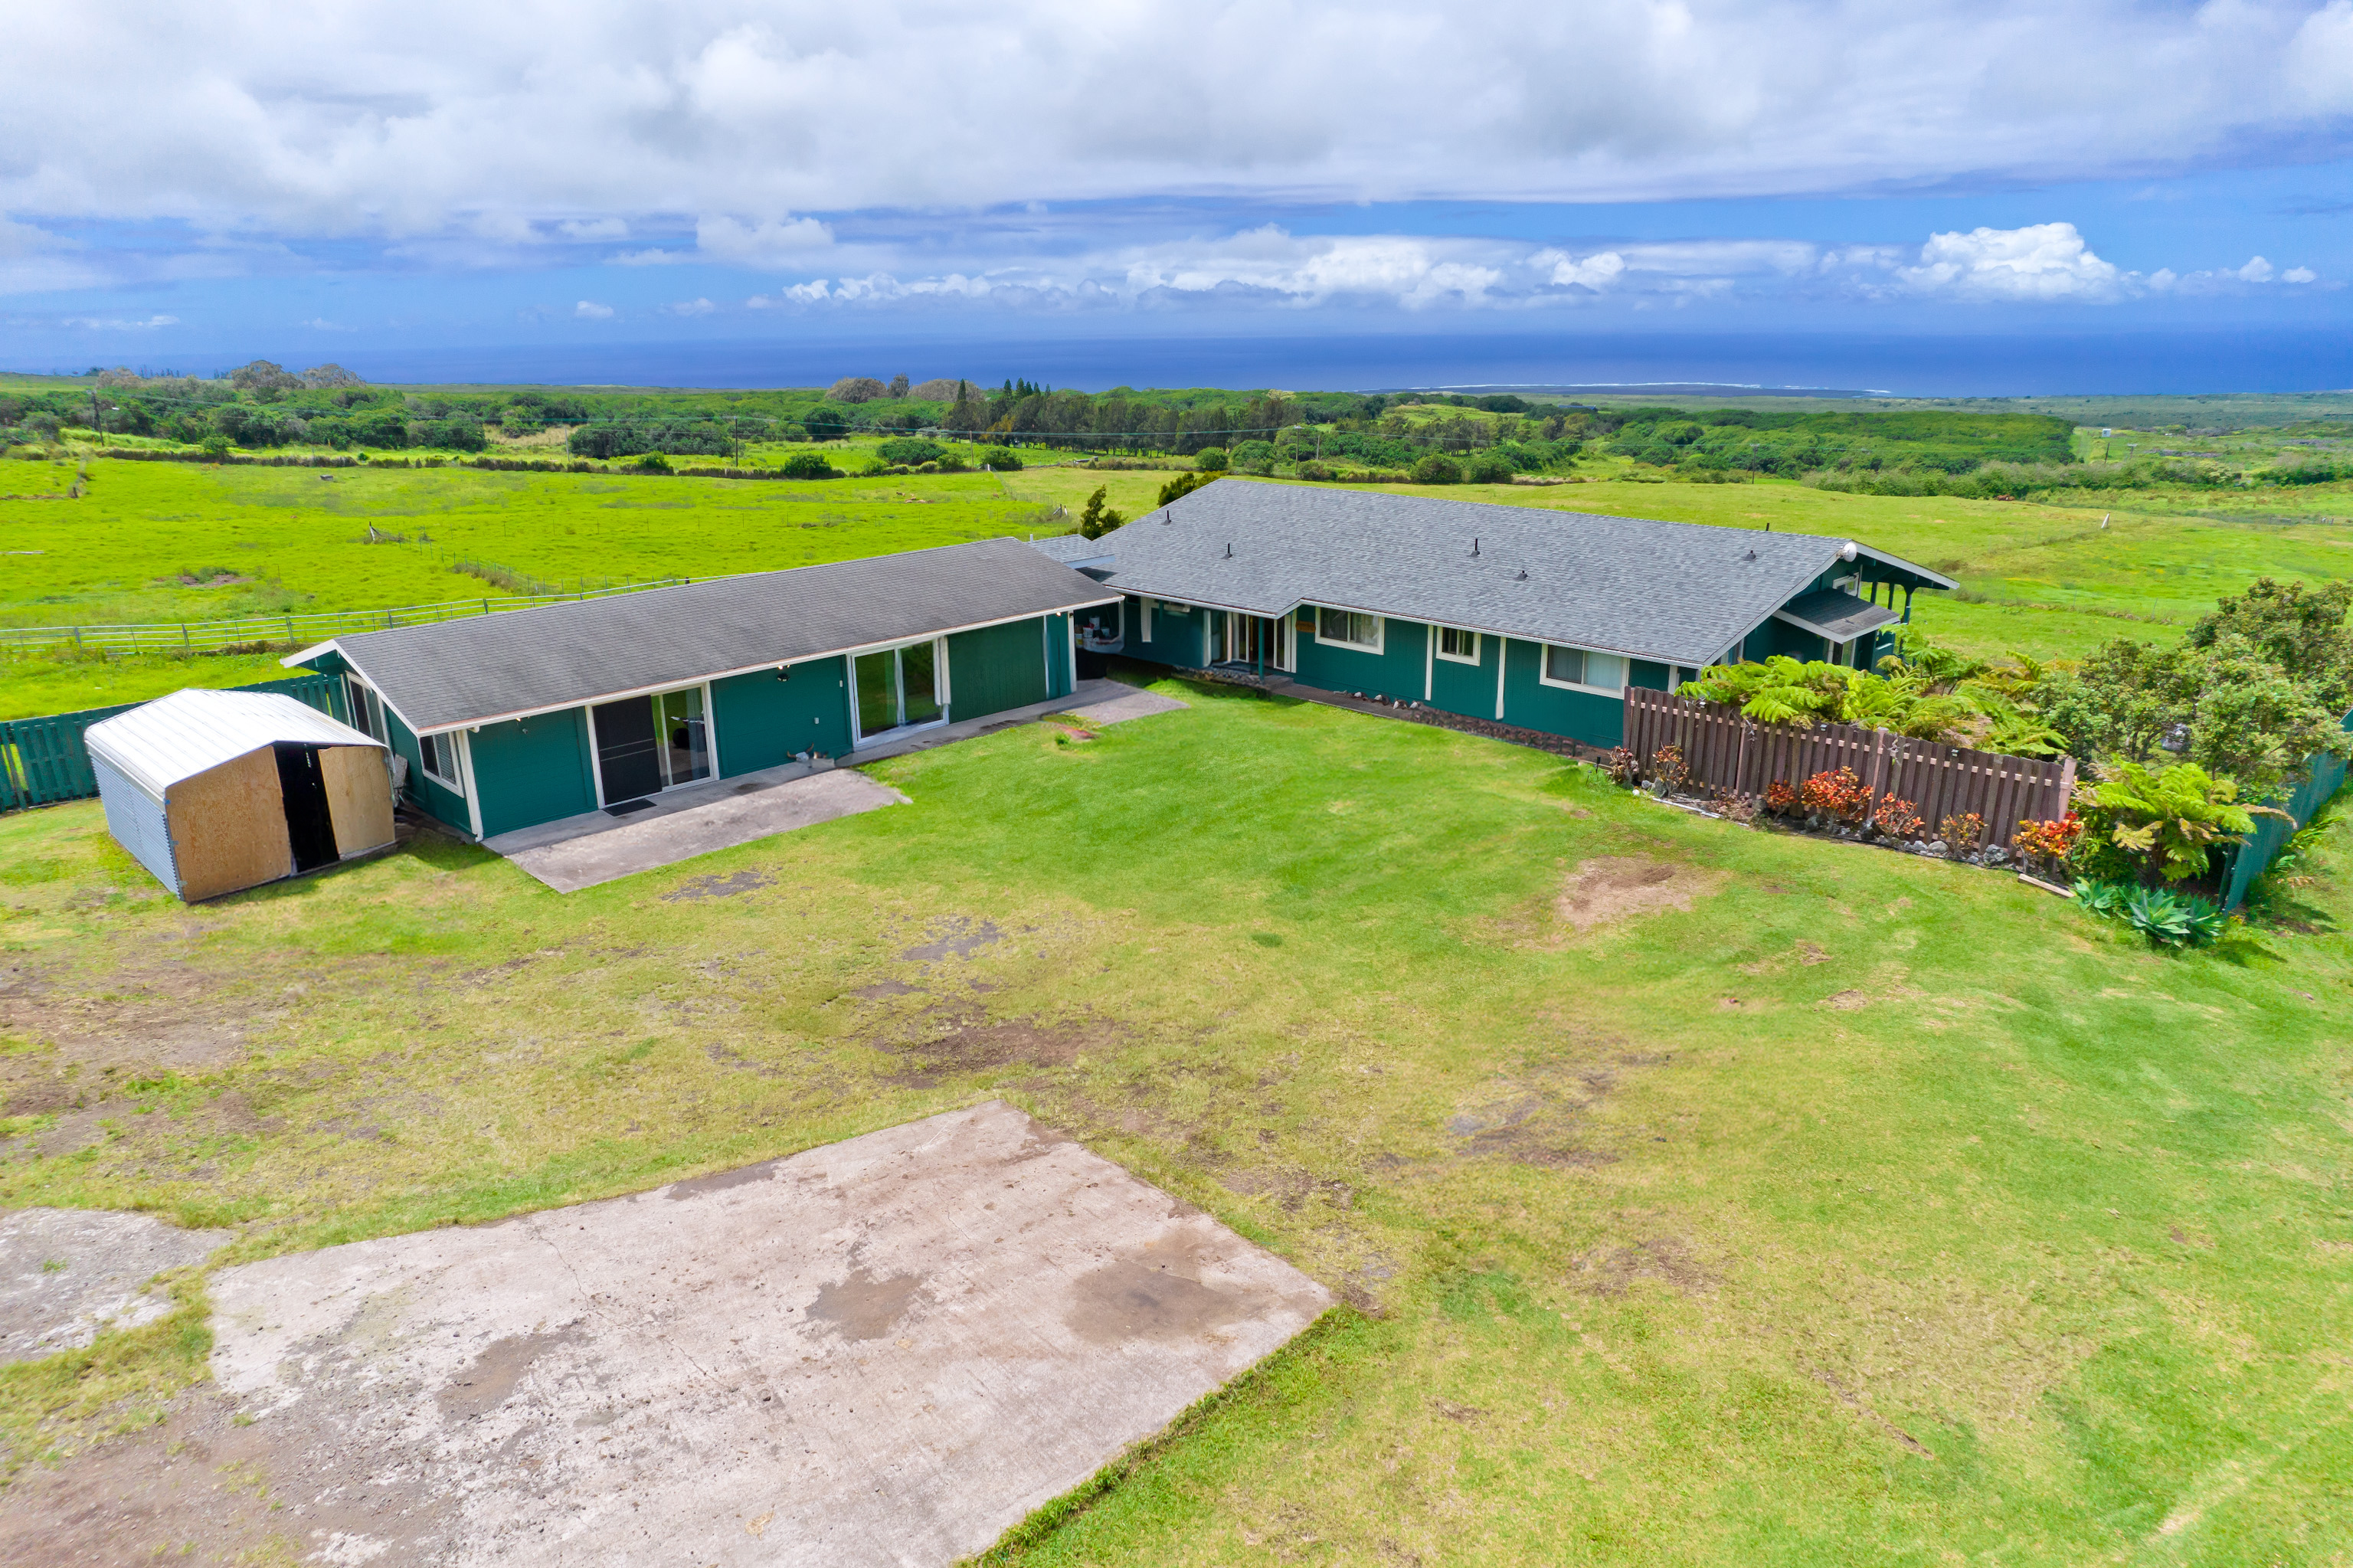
[613, 847]
[697, 819]
[883, 1351]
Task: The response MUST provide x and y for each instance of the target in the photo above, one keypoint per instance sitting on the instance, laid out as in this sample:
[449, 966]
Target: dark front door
[628, 758]
[310, 823]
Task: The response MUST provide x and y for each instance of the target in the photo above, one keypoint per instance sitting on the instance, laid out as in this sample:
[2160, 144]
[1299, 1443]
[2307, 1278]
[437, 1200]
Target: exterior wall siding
[1395, 671]
[1529, 704]
[1467, 689]
[996, 668]
[1181, 636]
[528, 771]
[762, 722]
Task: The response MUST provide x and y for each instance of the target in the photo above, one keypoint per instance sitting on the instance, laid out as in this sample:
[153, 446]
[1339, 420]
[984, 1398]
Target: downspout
[1429, 662]
[1503, 657]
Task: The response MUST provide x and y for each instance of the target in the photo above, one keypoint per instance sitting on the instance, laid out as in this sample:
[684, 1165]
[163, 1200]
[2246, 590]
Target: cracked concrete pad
[1128, 704]
[886, 1350]
[64, 1274]
[609, 852]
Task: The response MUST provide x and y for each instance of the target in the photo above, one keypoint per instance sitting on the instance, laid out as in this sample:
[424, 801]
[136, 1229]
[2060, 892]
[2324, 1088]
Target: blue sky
[340, 183]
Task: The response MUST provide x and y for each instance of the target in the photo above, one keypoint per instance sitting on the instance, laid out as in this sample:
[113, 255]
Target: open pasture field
[171, 541]
[1700, 1195]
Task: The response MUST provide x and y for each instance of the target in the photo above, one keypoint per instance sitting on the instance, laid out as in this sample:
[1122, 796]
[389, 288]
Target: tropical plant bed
[1747, 813]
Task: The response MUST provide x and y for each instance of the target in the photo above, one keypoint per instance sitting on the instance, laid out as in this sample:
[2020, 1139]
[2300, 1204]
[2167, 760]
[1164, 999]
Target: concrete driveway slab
[64, 1274]
[886, 1350]
[609, 850]
[1129, 704]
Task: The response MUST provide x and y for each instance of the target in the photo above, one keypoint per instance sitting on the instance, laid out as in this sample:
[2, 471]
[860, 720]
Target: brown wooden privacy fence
[1726, 751]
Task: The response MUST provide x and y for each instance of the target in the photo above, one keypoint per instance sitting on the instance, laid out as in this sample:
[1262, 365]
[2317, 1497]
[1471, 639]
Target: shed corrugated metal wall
[138, 821]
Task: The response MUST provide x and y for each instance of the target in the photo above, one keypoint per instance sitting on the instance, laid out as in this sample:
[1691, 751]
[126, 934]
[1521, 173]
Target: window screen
[1458, 644]
[1347, 626]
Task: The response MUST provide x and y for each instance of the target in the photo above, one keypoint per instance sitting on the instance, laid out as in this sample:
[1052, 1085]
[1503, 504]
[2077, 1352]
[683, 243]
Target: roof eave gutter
[852, 651]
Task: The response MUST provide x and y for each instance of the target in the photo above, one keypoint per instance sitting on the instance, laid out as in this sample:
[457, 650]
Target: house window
[1462, 647]
[1604, 672]
[440, 756]
[899, 688]
[1349, 629]
[367, 709]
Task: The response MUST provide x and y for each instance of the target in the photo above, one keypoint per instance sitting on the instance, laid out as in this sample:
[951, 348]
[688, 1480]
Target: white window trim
[1438, 644]
[1381, 632]
[858, 737]
[446, 743]
[595, 762]
[473, 795]
[1617, 691]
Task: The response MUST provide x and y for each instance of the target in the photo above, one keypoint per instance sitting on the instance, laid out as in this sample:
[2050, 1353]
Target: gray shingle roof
[530, 660]
[1680, 593]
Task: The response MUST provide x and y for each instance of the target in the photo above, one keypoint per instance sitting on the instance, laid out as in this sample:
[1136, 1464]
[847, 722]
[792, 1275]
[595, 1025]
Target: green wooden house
[527, 717]
[1523, 616]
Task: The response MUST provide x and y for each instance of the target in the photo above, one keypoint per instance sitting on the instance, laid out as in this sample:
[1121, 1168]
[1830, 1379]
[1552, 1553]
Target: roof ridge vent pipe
[1229, 552]
[1474, 546]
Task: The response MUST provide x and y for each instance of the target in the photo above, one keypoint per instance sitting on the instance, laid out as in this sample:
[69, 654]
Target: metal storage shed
[214, 791]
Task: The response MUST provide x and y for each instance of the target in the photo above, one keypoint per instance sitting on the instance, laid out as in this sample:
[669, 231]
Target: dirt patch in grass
[1536, 1121]
[1611, 888]
[977, 1047]
[191, 1490]
[955, 935]
[1612, 1271]
[169, 1017]
[696, 889]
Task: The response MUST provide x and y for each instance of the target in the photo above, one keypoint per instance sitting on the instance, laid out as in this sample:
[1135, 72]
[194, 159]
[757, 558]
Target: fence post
[2066, 785]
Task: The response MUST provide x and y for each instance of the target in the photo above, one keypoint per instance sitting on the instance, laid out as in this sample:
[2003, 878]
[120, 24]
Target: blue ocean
[1989, 366]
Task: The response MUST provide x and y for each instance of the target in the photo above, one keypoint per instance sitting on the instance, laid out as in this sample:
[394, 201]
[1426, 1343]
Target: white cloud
[586, 118]
[2042, 263]
[116, 324]
[589, 310]
[689, 308]
[1593, 273]
[2299, 275]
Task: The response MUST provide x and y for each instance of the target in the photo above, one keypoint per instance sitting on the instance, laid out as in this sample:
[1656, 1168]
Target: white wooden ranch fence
[1724, 751]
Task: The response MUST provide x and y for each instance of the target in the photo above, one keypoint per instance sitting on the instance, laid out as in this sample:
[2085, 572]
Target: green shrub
[1210, 459]
[1437, 468]
[809, 465]
[1254, 457]
[1488, 468]
[1183, 484]
[1004, 460]
[909, 450]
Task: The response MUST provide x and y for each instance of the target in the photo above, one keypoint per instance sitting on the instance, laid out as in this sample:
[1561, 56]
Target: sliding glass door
[899, 688]
[646, 745]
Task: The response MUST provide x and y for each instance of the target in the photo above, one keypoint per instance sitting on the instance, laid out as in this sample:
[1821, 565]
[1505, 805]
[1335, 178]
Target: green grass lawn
[163, 542]
[1866, 1209]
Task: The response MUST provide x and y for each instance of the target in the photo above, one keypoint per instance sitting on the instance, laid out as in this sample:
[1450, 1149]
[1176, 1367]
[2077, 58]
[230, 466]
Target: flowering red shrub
[1899, 818]
[1622, 765]
[2052, 840]
[1836, 794]
[1667, 765]
[1781, 797]
[1962, 831]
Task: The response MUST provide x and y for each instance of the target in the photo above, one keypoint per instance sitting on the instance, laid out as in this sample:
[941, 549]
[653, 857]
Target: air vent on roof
[1474, 546]
[1229, 552]
[1523, 577]
[1750, 556]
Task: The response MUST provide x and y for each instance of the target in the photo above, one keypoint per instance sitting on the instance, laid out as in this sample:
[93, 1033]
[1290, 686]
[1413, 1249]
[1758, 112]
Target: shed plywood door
[359, 797]
[228, 827]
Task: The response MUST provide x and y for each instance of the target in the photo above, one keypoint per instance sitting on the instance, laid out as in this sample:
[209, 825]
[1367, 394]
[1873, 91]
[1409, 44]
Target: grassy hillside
[165, 541]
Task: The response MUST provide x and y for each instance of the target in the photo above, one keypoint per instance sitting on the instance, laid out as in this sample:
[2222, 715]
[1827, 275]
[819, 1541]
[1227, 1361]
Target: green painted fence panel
[2254, 853]
[44, 761]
